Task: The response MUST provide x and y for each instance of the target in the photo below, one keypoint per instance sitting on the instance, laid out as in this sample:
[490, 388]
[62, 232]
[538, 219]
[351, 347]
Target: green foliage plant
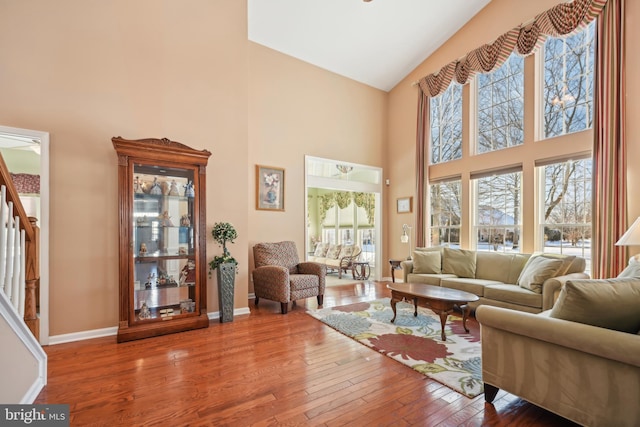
[222, 233]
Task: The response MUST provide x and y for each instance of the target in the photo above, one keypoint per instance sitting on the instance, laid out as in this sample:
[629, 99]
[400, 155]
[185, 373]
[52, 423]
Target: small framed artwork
[405, 205]
[269, 188]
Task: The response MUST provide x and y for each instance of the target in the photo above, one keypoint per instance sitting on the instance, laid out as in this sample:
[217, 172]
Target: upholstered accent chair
[280, 276]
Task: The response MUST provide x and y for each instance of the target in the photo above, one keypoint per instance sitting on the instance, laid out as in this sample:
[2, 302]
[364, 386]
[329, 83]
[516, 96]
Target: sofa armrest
[551, 288]
[606, 343]
[407, 268]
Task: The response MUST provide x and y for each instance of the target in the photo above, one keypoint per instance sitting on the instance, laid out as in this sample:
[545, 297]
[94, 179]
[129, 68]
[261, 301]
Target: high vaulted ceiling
[376, 42]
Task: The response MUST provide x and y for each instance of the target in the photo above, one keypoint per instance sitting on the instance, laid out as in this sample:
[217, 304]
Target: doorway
[344, 207]
[26, 152]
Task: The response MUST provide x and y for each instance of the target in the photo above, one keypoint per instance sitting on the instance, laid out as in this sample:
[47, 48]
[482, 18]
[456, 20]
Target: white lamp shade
[404, 238]
[632, 236]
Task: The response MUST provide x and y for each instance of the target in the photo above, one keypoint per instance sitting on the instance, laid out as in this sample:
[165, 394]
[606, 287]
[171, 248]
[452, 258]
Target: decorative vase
[226, 274]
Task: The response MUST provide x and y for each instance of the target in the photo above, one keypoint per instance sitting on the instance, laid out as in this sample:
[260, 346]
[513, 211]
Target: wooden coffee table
[440, 300]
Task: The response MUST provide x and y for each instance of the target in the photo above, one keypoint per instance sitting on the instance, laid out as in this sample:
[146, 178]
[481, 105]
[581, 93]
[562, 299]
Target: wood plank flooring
[264, 369]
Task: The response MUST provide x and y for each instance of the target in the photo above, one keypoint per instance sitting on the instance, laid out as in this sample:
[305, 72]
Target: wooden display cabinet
[161, 194]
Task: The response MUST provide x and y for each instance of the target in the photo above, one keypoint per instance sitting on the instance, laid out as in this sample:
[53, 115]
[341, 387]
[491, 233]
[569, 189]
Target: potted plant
[226, 267]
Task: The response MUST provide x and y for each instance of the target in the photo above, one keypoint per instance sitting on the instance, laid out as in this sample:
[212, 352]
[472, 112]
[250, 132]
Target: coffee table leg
[394, 301]
[443, 321]
[466, 310]
[415, 307]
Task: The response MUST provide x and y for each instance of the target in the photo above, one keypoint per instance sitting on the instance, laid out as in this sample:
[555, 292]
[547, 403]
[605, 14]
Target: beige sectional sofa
[524, 282]
[580, 360]
[336, 257]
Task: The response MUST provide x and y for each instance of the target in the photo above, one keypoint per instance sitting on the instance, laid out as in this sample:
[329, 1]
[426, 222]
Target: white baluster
[15, 268]
[3, 233]
[23, 267]
[9, 256]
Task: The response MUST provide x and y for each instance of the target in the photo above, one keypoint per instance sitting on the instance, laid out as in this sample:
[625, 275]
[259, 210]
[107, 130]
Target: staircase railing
[19, 253]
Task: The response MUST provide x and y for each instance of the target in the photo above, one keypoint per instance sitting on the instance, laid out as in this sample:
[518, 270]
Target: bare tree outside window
[498, 212]
[567, 208]
[568, 83]
[446, 125]
[501, 106]
[446, 213]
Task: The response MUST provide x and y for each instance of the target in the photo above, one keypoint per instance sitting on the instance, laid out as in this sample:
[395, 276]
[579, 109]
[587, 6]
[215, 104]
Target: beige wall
[86, 71]
[495, 19]
[296, 109]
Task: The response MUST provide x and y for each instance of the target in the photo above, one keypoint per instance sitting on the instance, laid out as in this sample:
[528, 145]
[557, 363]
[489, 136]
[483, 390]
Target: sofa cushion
[513, 294]
[460, 262]
[536, 271]
[499, 266]
[334, 251]
[475, 286]
[607, 303]
[321, 250]
[426, 262]
[428, 279]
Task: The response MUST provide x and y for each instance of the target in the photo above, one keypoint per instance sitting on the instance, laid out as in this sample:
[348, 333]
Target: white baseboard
[105, 332]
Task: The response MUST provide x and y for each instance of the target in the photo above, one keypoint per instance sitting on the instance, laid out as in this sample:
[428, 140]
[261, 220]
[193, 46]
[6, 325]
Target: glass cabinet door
[164, 269]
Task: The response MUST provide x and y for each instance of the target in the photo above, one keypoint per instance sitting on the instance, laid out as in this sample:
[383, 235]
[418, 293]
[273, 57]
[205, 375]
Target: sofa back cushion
[499, 266]
[427, 262]
[536, 271]
[607, 303]
[460, 262]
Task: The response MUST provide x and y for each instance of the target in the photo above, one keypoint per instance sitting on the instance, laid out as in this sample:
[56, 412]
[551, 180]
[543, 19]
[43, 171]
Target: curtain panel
[609, 210]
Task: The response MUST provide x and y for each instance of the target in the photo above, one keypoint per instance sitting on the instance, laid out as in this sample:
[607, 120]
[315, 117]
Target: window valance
[558, 21]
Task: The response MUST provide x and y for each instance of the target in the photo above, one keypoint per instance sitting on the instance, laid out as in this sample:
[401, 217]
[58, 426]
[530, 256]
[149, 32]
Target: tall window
[498, 212]
[501, 106]
[446, 213]
[568, 83]
[446, 125]
[566, 220]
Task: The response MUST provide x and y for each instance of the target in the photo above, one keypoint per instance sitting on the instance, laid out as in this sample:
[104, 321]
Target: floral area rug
[414, 341]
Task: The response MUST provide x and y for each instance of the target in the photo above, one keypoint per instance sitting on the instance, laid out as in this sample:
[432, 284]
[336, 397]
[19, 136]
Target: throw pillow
[460, 262]
[321, 250]
[632, 271]
[607, 303]
[426, 262]
[567, 260]
[334, 251]
[347, 251]
[536, 271]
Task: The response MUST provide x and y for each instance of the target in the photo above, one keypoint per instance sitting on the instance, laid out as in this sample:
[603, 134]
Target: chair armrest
[271, 275]
[407, 267]
[272, 282]
[310, 267]
[551, 288]
[609, 344]
[315, 268]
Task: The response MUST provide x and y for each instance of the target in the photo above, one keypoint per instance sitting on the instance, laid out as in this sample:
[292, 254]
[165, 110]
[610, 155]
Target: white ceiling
[377, 43]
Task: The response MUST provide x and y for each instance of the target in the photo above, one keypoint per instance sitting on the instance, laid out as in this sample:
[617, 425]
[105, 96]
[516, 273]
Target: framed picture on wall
[405, 204]
[269, 188]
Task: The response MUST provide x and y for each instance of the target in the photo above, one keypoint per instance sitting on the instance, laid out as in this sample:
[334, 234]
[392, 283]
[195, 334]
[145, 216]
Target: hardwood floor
[263, 369]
